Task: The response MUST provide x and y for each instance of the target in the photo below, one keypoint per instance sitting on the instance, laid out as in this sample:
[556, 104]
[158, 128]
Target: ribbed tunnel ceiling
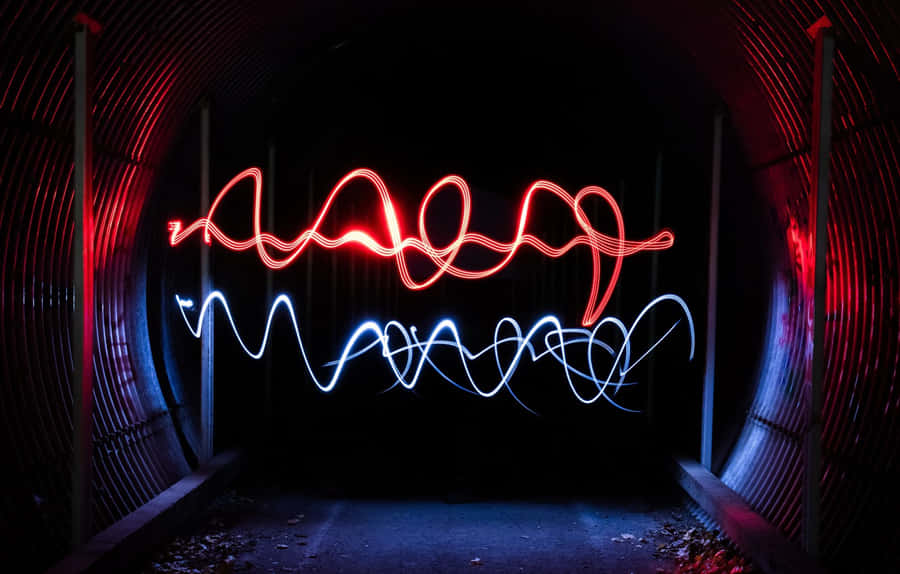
[156, 60]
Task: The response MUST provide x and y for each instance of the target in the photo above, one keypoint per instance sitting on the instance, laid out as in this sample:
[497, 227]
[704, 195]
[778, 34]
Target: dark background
[501, 104]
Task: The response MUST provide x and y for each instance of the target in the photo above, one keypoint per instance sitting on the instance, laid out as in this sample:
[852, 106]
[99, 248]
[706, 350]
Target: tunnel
[372, 250]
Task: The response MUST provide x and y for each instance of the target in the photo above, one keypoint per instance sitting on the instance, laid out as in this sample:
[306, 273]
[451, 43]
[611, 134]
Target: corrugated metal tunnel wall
[156, 60]
[861, 436]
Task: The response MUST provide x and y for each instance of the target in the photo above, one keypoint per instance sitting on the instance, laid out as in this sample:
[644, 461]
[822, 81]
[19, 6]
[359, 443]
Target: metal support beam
[654, 287]
[395, 294]
[333, 322]
[310, 216]
[620, 193]
[709, 376]
[366, 282]
[352, 303]
[207, 355]
[270, 288]
[819, 192]
[82, 333]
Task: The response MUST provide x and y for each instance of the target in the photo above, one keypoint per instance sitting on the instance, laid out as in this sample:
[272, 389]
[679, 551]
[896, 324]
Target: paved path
[297, 533]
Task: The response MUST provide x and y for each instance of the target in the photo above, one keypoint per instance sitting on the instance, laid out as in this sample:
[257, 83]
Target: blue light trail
[546, 338]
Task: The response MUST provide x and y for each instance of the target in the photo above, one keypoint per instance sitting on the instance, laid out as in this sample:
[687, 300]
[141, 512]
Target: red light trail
[443, 258]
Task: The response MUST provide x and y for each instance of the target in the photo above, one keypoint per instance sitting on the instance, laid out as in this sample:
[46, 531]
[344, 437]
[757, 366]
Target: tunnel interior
[621, 96]
[416, 104]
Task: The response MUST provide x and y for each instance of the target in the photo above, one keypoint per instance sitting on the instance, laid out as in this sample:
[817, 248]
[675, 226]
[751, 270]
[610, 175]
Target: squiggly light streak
[555, 341]
[443, 257]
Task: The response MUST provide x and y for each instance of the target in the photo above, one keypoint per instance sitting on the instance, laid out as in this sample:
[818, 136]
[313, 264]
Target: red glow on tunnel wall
[443, 258]
[153, 63]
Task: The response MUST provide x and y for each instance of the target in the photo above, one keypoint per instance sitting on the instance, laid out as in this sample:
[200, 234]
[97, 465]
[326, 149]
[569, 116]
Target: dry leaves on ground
[214, 550]
[699, 551]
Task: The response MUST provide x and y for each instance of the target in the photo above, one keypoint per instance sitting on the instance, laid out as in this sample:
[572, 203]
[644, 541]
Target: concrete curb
[113, 549]
[762, 542]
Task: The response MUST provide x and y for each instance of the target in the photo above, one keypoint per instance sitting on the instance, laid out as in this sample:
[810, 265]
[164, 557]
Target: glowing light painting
[286, 252]
[546, 338]
[577, 351]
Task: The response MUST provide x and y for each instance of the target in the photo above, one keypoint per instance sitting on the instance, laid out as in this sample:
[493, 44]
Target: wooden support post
[207, 342]
[709, 377]
[82, 334]
[820, 190]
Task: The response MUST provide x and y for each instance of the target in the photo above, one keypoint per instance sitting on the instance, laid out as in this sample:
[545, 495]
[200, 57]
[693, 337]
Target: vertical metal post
[83, 270]
[595, 212]
[709, 376]
[334, 285]
[310, 216]
[563, 265]
[395, 294]
[654, 286]
[352, 303]
[270, 287]
[384, 307]
[207, 356]
[819, 192]
[375, 309]
[620, 192]
[365, 285]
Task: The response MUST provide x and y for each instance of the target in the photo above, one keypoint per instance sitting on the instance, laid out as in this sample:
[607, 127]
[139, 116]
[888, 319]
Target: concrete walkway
[290, 532]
